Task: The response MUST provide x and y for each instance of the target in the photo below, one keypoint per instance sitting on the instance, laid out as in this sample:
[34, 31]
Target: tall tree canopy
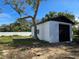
[20, 7]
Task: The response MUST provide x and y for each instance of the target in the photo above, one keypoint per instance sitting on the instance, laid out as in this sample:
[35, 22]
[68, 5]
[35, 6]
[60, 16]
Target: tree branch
[36, 9]
[26, 17]
[15, 9]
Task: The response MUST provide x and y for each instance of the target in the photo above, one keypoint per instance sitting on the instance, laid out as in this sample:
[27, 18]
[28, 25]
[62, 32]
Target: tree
[67, 14]
[24, 24]
[20, 6]
[4, 28]
[54, 14]
[50, 15]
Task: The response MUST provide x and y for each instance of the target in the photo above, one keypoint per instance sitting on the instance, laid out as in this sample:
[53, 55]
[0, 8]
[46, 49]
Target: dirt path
[44, 52]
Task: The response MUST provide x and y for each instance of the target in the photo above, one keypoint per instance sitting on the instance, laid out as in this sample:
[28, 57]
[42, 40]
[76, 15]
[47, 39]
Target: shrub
[76, 38]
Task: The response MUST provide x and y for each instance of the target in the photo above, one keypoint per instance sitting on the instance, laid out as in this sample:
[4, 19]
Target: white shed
[57, 29]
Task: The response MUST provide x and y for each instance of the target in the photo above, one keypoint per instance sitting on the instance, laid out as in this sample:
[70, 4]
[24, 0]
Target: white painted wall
[49, 31]
[54, 31]
[44, 31]
[32, 30]
[15, 33]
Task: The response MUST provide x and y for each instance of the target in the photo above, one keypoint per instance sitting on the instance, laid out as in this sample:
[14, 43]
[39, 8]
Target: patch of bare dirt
[53, 51]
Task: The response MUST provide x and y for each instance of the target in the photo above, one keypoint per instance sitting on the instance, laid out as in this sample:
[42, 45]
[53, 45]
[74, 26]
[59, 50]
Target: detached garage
[57, 29]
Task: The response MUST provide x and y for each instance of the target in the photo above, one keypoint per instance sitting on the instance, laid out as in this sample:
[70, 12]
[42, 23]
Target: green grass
[9, 39]
[5, 39]
[19, 40]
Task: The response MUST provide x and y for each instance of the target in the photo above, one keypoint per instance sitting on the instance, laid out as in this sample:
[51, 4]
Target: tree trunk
[35, 32]
[34, 22]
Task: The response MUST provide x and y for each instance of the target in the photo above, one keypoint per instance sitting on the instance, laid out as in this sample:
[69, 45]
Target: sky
[8, 15]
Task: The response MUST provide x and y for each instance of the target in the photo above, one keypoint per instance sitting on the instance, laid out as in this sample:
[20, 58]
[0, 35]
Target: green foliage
[67, 14]
[75, 34]
[54, 14]
[75, 28]
[76, 38]
[75, 31]
[21, 25]
[76, 22]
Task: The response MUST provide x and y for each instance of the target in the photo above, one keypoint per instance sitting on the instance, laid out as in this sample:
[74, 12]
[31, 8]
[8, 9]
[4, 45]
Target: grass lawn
[20, 41]
[9, 39]
[5, 39]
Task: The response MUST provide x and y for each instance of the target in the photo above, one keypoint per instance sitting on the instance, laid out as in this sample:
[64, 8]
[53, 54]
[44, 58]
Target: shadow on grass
[29, 42]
